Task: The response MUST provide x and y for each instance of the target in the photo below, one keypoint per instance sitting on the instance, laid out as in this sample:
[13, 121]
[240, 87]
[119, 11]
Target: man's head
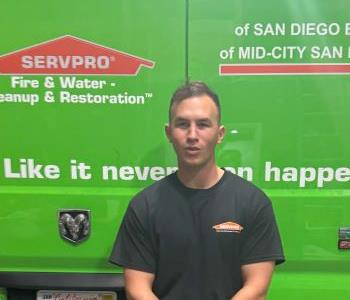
[194, 125]
[193, 89]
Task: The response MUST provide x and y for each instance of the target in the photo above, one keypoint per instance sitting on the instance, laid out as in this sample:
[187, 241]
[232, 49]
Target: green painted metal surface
[288, 121]
[56, 134]
[3, 294]
[277, 126]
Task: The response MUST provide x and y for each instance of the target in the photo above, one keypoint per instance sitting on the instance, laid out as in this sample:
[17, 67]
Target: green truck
[84, 94]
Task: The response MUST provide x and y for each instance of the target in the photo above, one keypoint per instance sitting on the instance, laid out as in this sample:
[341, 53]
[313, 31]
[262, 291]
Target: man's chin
[193, 163]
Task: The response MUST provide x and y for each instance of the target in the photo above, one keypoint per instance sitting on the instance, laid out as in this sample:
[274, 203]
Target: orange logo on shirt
[228, 227]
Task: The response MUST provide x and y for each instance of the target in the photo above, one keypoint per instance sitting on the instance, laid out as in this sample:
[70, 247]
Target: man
[202, 232]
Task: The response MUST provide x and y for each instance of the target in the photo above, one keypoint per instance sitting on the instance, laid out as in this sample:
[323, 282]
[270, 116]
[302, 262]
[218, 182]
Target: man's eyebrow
[204, 120]
[180, 119]
[197, 120]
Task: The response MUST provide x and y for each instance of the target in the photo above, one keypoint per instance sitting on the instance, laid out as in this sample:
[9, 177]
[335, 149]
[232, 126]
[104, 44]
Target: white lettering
[342, 174]
[347, 28]
[290, 174]
[306, 175]
[27, 62]
[20, 98]
[51, 62]
[8, 169]
[157, 173]
[65, 62]
[126, 173]
[20, 82]
[73, 82]
[272, 171]
[324, 175]
[326, 52]
[142, 173]
[269, 29]
[67, 97]
[29, 169]
[106, 170]
[252, 52]
[311, 29]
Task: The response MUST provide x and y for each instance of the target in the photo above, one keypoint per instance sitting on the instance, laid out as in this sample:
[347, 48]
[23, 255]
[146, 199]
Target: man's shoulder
[245, 190]
[151, 193]
[239, 183]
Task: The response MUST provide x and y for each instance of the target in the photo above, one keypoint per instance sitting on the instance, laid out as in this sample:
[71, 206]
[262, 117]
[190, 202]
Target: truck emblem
[72, 55]
[74, 225]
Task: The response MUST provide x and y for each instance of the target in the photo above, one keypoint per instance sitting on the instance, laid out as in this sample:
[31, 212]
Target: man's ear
[167, 132]
[221, 134]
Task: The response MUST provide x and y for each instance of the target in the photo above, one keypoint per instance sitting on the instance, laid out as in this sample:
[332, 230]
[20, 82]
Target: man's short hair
[194, 89]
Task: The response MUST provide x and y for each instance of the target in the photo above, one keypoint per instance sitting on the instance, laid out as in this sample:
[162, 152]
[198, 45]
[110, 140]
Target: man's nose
[192, 132]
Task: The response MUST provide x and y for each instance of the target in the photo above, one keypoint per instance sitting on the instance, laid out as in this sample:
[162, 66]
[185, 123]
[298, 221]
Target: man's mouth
[192, 149]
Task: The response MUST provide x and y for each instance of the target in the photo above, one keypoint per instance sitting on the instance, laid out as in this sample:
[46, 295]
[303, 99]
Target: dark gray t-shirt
[195, 240]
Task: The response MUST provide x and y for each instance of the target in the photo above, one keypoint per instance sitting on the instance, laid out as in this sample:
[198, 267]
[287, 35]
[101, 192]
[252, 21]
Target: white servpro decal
[29, 168]
[320, 55]
[72, 55]
[64, 96]
[101, 62]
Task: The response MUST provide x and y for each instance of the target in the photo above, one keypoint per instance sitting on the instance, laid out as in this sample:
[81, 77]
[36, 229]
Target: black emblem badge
[74, 225]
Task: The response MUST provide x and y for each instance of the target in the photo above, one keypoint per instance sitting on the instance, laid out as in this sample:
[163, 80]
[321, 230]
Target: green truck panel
[281, 71]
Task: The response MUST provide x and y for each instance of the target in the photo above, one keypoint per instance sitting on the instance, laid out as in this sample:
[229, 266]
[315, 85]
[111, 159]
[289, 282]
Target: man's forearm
[141, 295]
[138, 285]
[256, 280]
[249, 293]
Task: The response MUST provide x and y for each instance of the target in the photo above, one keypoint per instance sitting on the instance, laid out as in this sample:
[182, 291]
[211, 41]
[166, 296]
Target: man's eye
[181, 124]
[203, 124]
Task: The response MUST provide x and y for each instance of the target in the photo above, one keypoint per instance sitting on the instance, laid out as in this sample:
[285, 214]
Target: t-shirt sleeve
[133, 248]
[261, 240]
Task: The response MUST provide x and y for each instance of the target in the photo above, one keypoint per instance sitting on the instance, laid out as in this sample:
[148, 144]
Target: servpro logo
[65, 62]
[228, 227]
[71, 55]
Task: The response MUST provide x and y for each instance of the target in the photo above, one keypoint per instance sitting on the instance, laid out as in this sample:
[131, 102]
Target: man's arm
[138, 285]
[256, 279]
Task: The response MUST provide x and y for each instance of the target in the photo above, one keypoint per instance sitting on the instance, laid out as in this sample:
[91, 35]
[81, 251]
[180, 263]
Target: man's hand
[256, 279]
[138, 285]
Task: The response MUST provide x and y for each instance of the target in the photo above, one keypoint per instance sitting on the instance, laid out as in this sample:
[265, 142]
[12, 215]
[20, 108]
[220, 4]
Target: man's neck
[201, 178]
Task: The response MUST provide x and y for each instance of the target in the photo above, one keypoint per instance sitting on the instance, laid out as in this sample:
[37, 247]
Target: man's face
[194, 131]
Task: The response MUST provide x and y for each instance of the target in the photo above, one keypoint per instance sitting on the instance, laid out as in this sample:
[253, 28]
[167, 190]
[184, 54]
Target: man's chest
[203, 225]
